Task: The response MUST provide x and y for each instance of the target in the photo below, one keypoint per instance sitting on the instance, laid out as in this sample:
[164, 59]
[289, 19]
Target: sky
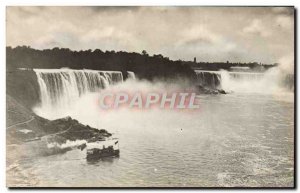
[237, 34]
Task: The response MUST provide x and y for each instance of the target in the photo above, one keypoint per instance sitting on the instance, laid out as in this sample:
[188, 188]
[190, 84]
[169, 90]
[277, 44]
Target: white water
[131, 75]
[273, 81]
[235, 140]
[60, 89]
[67, 144]
[239, 139]
[66, 92]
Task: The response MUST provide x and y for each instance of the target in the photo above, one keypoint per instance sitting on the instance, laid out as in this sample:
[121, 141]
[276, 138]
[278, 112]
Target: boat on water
[103, 149]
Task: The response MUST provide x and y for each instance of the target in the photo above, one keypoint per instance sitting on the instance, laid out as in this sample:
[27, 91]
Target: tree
[144, 52]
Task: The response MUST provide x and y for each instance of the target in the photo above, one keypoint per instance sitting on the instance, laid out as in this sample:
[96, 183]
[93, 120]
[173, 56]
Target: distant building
[195, 60]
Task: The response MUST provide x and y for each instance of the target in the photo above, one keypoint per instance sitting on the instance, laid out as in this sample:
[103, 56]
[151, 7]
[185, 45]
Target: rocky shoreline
[25, 126]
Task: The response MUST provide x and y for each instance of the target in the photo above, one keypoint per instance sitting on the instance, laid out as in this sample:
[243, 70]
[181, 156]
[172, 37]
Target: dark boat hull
[96, 154]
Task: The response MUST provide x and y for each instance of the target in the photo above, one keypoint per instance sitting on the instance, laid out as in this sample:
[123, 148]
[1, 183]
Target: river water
[238, 139]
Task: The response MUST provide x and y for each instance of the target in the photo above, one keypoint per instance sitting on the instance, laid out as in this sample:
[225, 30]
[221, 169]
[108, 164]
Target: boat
[102, 149]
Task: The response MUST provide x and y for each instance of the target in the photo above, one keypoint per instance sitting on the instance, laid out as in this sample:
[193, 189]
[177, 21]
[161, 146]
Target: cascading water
[61, 88]
[211, 79]
[131, 75]
[270, 81]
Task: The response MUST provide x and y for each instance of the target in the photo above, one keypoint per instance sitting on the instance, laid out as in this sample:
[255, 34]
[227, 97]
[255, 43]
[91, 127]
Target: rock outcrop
[205, 90]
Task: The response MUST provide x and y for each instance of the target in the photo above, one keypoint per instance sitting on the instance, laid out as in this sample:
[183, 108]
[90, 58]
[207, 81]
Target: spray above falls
[59, 88]
[270, 81]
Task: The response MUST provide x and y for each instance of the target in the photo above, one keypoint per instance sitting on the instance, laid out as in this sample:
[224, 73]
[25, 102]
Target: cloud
[101, 34]
[285, 22]
[283, 10]
[241, 34]
[198, 35]
[256, 27]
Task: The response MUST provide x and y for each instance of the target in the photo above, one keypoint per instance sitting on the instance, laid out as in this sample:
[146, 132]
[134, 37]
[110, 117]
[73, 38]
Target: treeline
[143, 65]
[253, 66]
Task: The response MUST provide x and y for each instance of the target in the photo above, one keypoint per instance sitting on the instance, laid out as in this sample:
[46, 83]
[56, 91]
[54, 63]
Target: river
[238, 139]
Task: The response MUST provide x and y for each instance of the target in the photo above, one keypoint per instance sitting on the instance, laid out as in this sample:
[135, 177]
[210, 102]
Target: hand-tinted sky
[263, 34]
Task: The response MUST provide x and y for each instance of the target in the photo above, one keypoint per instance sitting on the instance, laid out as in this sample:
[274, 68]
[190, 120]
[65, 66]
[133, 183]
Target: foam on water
[60, 89]
[240, 139]
[274, 81]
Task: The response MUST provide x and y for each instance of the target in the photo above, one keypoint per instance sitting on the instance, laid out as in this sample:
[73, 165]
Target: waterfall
[61, 88]
[270, 81]
[131, 75]
[211, 79]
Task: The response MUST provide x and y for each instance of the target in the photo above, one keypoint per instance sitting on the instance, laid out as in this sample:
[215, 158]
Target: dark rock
[221, 91]
[24, 125]
[205, 90]
[71, 129]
